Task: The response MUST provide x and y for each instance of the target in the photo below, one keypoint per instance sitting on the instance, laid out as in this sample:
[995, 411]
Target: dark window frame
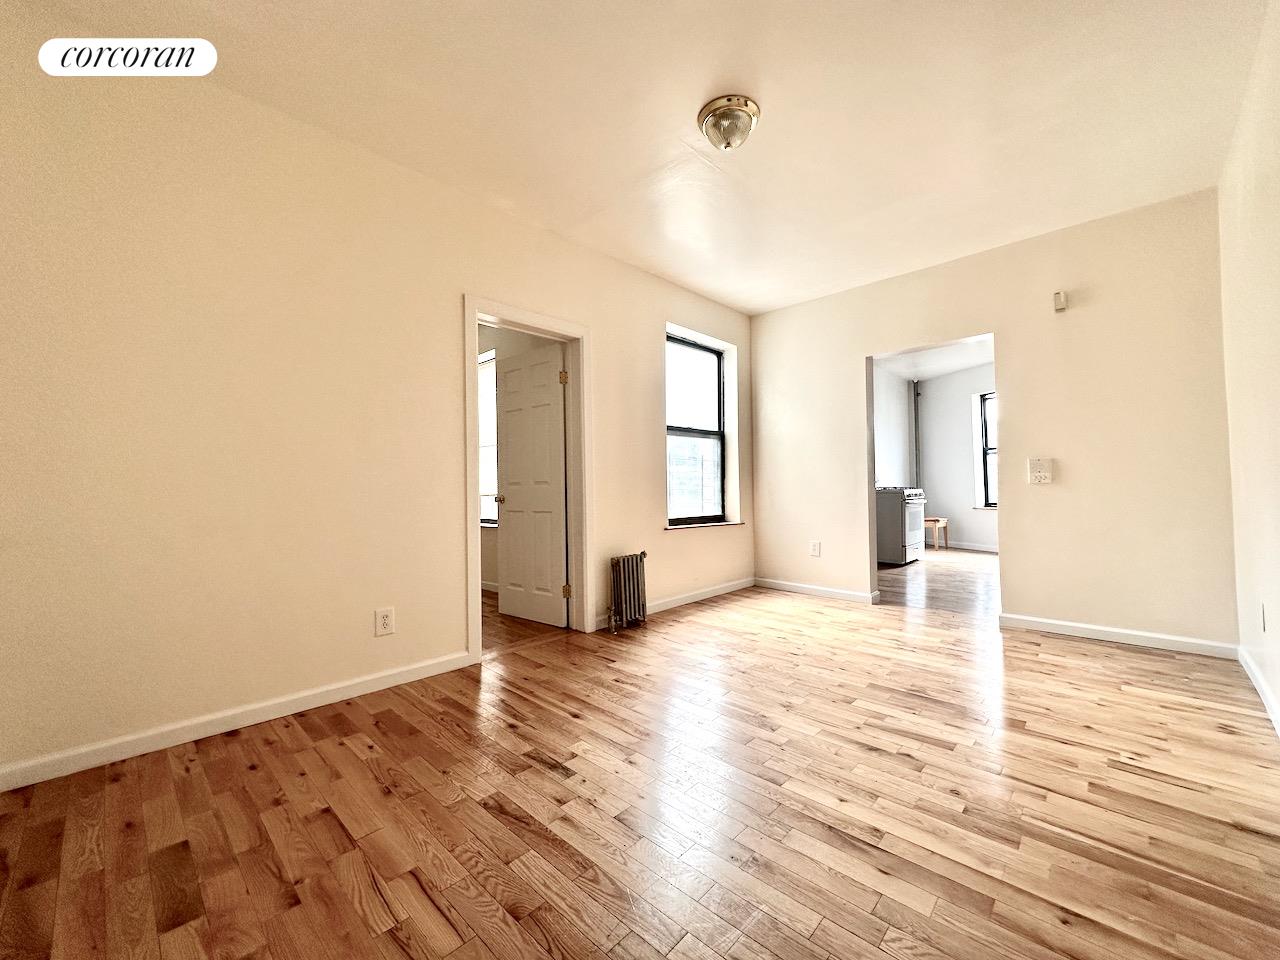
[987, 499]
[678, 431]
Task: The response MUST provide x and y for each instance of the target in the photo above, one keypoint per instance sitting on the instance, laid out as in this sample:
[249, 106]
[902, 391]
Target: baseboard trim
[1137, 638]
[706, 593]
[975, 547]
[1270, 701]
[816, 591]
[24, 772]
[670, 603]
[486, 585]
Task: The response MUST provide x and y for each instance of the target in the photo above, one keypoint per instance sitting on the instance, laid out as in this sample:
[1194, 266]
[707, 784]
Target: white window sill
[986, 508]
[702, 526]
[491, 524]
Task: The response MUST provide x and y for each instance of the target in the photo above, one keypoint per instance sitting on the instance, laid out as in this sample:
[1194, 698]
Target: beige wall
[231, 377]
[1250, 223]
[1125, 390]
[489, 557]
[506, 342]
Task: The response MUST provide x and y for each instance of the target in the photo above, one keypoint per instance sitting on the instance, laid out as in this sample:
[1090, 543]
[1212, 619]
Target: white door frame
[872, 544]
[579, 481]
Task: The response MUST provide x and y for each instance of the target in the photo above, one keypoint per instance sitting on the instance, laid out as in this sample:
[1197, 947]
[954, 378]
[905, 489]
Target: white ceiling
[894, 134]
[939, 361]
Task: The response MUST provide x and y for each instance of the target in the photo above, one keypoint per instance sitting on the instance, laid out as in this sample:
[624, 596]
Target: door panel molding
[532, 528]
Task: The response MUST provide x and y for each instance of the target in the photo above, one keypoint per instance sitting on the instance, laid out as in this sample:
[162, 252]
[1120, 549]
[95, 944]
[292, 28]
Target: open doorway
[526, 433]
[935, 458]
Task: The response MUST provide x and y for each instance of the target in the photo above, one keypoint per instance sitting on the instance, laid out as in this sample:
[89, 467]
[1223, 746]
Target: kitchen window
[488, 380]
[695, 433]
[987, 417]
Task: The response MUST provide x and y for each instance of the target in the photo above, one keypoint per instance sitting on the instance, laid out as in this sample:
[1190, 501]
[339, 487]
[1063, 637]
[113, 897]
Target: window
[489, 438]
[695, 433]
[987, 416]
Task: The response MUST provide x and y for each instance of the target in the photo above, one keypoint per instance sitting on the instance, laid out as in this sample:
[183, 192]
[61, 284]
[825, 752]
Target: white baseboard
[1270, 700]
[490, 587]
[816, 591]
[1138, 638]
[23, 772]
[976, 547]
[670, 603]
[657, 606]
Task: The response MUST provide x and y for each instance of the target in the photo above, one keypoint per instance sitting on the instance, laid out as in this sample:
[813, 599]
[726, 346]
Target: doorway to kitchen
[935, 462]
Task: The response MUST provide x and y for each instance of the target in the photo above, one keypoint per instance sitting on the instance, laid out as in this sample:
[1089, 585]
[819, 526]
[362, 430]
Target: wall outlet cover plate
[384, 621]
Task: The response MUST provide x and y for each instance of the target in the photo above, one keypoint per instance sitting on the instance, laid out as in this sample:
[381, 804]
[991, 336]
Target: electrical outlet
[815, 548]
[384, 621]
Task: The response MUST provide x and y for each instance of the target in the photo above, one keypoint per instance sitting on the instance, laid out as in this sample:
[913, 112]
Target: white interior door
[532, 566]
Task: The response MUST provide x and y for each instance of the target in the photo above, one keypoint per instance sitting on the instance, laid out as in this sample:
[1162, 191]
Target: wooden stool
[939, 523]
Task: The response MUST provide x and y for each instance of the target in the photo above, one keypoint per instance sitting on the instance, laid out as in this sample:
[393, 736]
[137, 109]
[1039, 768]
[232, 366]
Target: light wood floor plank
[759, 776]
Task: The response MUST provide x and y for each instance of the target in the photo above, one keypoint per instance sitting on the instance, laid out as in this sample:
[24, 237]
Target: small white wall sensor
[1039, 470]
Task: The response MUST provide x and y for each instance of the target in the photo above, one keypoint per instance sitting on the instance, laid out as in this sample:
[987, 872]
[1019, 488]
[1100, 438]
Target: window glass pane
[488, 384]
[993, 475]
[990, 410]
[693, 477]
[693, 387]
[488, 471]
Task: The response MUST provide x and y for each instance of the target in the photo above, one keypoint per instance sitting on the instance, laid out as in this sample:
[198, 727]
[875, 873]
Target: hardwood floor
[962, 581]
[759, 775]
[499, 632]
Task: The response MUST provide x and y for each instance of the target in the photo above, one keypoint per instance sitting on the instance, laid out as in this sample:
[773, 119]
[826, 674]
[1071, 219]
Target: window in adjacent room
[987, 411]
[489, 438]
[695, 433]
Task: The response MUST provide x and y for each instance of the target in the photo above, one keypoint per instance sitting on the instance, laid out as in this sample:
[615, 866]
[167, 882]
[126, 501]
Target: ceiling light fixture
[726, 122]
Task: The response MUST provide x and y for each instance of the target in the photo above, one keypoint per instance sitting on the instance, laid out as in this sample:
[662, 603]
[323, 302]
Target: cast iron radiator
[627, 606]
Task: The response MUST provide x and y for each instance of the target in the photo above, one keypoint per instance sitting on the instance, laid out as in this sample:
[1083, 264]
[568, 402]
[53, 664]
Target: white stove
[899, 524]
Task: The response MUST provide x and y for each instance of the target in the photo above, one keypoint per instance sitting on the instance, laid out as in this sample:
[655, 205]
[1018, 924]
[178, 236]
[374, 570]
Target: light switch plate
[1040, 470]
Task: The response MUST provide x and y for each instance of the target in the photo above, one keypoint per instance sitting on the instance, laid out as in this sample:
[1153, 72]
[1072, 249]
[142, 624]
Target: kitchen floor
[961, 581]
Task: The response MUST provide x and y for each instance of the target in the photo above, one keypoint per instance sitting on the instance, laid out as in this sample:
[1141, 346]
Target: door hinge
[564, 376]
[566, 591]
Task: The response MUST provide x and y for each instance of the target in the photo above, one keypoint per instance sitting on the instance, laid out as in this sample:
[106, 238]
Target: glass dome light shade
[726, 122]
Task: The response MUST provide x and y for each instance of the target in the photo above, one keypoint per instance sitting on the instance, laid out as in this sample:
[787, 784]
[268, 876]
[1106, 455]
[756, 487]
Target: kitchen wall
[947, 444]
[1125, 390]
[1249, 210]
[231, 370]
[894, 429]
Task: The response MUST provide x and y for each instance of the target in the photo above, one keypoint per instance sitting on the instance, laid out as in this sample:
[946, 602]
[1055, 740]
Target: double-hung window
[488, 383]
[987, 411]
[695, 433]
